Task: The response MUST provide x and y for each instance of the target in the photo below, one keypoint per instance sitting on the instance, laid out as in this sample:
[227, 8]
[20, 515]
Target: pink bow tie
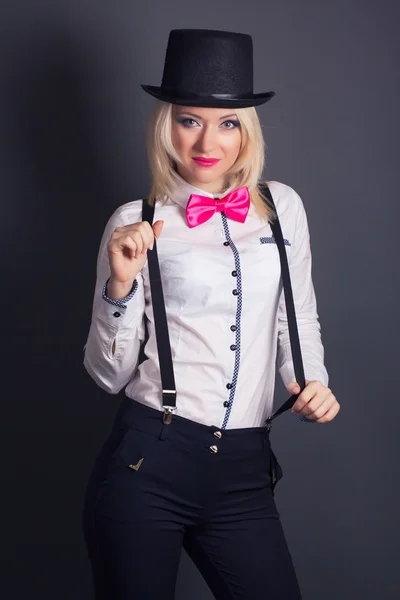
[235, 205]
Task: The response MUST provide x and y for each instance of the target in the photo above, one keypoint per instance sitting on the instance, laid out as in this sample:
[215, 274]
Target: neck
[213, 187]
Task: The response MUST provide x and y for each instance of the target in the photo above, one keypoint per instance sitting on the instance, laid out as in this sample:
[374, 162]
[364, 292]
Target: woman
[201, 478]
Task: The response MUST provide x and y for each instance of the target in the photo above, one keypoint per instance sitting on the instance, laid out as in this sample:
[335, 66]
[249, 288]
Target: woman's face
[205, 133]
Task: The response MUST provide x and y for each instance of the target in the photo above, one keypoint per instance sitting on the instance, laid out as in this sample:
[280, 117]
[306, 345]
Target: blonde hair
[246, 171]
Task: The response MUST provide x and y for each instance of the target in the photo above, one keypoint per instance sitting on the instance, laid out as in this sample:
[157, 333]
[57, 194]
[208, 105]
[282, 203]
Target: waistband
[135, 415]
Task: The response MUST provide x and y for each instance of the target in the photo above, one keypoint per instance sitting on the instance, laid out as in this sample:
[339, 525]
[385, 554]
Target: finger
[317, 407]
[146, 232]
[330, 414]
[293, 388]
[306, 395]
[122, 240]
[322, 396]
[124, 244]
[157, 228]
[137, 237]
[143, 227]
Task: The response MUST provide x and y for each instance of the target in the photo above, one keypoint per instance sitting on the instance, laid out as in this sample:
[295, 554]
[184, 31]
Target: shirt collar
[181, 193]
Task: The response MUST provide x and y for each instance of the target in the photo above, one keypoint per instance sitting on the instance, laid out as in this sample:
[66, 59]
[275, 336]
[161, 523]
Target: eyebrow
[184, 112]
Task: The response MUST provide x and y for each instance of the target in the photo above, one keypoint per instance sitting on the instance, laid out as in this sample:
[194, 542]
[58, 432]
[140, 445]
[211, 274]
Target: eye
[186, 121]
[232, 124]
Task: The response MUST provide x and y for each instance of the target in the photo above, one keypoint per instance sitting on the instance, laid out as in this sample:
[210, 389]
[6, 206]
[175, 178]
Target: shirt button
[226, 403]
[217, 434]
[233, 347]
[229, 386]
[233, 327]
[117, 314]
[226, 243]
[214, 449]
[234, 273]
[235, 292]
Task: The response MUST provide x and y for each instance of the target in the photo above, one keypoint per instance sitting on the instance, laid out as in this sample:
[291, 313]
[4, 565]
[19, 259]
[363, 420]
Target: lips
[206, 162]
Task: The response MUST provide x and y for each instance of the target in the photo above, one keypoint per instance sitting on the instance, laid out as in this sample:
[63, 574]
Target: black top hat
[204, 67]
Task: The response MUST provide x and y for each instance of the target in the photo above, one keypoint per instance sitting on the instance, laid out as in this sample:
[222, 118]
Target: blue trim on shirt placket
[237, 320]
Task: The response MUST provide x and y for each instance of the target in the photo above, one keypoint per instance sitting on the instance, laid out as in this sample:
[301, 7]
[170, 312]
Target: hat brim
[209, 101]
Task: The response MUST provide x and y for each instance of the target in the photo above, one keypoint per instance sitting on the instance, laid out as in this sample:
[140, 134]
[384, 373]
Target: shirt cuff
[122, 301]
[117, 314]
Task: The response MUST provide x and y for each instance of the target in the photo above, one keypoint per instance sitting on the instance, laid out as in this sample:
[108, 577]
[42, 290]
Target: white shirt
[196, 271]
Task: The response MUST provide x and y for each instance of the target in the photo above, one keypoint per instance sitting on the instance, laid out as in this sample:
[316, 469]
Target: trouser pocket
[275, 470]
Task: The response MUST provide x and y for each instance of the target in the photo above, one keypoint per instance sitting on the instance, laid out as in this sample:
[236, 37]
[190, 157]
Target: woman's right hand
[127, 250]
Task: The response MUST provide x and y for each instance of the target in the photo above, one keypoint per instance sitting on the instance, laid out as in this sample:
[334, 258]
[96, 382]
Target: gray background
[72, 121]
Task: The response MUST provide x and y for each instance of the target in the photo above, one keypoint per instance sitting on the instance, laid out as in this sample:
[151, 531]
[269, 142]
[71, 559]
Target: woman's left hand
[316, 402]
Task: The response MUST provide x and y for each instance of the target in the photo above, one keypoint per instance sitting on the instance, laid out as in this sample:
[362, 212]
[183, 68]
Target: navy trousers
[157, 487]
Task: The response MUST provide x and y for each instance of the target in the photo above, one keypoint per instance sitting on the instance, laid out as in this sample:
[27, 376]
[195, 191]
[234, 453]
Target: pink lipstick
[206, 162]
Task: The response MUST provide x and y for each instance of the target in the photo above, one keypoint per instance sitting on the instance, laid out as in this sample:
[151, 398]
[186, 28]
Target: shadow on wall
[59, 196]
[61, 186]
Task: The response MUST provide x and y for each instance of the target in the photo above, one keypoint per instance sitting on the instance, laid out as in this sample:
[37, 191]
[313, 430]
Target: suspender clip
[168, 395]
[168, 411]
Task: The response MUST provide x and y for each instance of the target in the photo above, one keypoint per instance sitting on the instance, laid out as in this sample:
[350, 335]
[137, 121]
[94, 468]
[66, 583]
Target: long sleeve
[300, 265]
[109, 323]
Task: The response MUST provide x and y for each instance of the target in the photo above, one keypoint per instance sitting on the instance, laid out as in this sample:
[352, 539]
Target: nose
[207, 140]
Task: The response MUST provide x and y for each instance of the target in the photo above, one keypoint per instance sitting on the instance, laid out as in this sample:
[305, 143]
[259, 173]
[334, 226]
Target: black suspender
[290, 310]
[161, 325]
